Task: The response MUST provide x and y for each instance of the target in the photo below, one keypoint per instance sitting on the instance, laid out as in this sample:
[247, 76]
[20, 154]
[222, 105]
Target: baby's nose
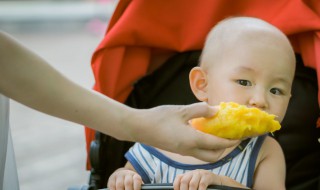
[258, 101]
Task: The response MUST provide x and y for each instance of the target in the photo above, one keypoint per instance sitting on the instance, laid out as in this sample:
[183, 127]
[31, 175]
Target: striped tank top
[155, 167]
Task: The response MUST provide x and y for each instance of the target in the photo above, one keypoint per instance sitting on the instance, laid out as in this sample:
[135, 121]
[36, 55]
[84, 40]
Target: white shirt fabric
[155, 167]
[8, 169]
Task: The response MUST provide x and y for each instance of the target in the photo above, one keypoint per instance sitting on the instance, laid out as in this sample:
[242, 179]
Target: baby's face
[256, 75]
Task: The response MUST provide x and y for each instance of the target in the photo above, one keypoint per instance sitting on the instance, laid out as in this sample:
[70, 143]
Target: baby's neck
[193, 160]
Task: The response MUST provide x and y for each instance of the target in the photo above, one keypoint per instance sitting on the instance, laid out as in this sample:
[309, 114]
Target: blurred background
[50, 152]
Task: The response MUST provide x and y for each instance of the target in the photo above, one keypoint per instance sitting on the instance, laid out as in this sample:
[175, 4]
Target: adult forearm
[28, 79]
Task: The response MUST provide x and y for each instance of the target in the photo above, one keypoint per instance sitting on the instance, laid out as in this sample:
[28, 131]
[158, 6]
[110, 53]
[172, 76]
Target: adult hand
[167, 128]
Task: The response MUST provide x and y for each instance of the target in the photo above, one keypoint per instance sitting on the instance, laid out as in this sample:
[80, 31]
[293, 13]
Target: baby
[244, 60]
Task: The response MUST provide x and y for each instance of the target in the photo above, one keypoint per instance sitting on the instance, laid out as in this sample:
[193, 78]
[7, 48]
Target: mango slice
[234, 121]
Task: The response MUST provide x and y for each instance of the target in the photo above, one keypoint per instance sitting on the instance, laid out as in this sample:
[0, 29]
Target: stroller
[133, 25]
[107, 153]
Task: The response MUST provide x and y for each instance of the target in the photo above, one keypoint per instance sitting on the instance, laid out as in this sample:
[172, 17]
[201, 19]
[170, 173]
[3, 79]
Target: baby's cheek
[281, 113]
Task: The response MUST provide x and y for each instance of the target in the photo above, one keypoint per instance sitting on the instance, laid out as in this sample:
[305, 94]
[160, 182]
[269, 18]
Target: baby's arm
[201, 179]
[270, 171]
[125, 178]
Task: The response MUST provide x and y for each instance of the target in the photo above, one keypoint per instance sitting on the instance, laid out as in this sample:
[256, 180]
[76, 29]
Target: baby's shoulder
[269, 144]
[270, 148]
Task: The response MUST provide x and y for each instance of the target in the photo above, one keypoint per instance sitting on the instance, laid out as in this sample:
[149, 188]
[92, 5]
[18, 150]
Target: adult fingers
[201, 109]
[208, 141]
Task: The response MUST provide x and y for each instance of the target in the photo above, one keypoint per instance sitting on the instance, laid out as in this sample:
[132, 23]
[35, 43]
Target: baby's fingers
[208, 178]
[124, 179]
[137, 181]
[203, 183]
[112, 182]
[176, 182]
[194, 182]
[132, 182]
[120, 180]
[187, 181]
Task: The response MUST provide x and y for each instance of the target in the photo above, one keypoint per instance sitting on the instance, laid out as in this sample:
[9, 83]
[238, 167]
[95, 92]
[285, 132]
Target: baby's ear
[198, 83]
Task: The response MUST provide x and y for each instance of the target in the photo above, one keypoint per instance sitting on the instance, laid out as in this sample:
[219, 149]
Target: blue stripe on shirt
[137, 167]
[144, 159]
[253, 159]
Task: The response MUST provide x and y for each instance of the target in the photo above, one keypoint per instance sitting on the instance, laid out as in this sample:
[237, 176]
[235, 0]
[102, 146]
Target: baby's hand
[124, 179]
[196, 180]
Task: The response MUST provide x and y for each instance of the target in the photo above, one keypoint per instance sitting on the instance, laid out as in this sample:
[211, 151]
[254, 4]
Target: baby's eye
[276, 91]
[244, 82]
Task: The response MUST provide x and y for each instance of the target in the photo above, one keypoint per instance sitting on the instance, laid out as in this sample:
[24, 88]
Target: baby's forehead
[241, 32]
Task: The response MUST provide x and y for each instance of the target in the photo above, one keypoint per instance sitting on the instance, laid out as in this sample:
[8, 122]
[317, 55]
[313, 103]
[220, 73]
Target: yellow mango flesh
[234, 121]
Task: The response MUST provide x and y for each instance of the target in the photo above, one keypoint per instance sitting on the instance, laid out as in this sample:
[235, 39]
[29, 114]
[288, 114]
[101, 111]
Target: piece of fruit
[234, 121]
